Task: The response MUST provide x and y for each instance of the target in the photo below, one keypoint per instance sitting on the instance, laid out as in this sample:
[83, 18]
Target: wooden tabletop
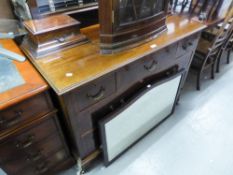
[71, 68]
[34, 83]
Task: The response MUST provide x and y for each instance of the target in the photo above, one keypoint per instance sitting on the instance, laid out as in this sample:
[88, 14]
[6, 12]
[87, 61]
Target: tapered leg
[212, 71]
[199, 80]
[218, 62]
[228, 56]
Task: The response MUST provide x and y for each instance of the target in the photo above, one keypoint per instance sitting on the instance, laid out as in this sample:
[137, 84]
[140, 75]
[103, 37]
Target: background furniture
[209, 51]
[32, 9]
[128, 23]
[31, 140]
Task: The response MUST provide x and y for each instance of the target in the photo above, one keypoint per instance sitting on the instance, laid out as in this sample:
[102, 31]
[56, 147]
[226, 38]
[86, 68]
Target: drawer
[34, 154]
[145, 67]
[45, 148]
[45, 166]
[33, 107]
[187, 45]
[26, 140]
[135, 72]
[93, 92]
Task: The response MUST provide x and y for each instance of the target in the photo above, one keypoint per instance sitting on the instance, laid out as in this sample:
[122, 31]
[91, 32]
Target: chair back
[222, 36]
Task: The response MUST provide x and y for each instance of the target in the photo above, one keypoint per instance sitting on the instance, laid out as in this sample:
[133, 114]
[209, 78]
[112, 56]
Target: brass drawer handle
[16, 119]
[151, 67]
[98, 95]
[37, 156]
[27, 143]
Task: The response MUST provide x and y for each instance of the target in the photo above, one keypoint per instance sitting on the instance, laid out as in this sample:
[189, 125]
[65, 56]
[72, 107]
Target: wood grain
[50, 23]
[34, 83]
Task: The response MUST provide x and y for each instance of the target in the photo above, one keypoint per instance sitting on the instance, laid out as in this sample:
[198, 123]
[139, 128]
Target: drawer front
[145, 67]
[33, 155]
[94, 92]
[16, 115]
[187, 45]
[45, 166]
[44, 149]
[26, 140]
[131, 74]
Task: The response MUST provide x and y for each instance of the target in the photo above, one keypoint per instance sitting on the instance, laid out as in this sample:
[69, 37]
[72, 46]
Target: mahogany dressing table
[86, 82]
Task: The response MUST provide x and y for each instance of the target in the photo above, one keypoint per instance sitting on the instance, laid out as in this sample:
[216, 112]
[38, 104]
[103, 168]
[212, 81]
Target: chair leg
[212, 71]
[199, 80]
[228, 56]
[218, 62]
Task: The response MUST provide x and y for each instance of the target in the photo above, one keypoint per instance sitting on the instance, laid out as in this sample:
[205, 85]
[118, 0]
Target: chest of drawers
[31, 138]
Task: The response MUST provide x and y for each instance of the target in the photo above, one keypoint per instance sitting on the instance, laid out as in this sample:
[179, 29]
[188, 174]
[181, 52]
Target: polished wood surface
[74, 67]
[50, 23]
[34, 83]
[51, 34]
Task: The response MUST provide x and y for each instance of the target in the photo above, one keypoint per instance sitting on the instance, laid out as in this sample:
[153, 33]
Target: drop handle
[151, 67]
[98, 95]
[16, 119]
[27, 143]
[36, 156]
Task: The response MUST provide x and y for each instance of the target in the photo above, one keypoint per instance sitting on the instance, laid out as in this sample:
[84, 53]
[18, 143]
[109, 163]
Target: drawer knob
[151, 67]
[98, 95]
[27, 143]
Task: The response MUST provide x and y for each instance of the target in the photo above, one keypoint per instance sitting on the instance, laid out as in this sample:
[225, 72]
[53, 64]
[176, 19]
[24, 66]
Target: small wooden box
[50, 34]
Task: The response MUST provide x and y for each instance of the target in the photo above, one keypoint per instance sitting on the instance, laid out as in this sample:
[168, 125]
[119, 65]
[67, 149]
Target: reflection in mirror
[133, 10]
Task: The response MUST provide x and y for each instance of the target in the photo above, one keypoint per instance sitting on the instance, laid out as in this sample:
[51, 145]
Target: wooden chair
[208, 52]
[228, 47]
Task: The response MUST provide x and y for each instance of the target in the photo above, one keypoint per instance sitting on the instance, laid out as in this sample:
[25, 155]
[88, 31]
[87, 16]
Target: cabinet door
[129, 13]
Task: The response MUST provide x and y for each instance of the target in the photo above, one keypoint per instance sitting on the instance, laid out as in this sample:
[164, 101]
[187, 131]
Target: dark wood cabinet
[31, 138]
[35, 144]
[124, 23]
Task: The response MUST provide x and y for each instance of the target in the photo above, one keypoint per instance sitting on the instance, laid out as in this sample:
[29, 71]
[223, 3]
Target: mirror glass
[133, 10]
